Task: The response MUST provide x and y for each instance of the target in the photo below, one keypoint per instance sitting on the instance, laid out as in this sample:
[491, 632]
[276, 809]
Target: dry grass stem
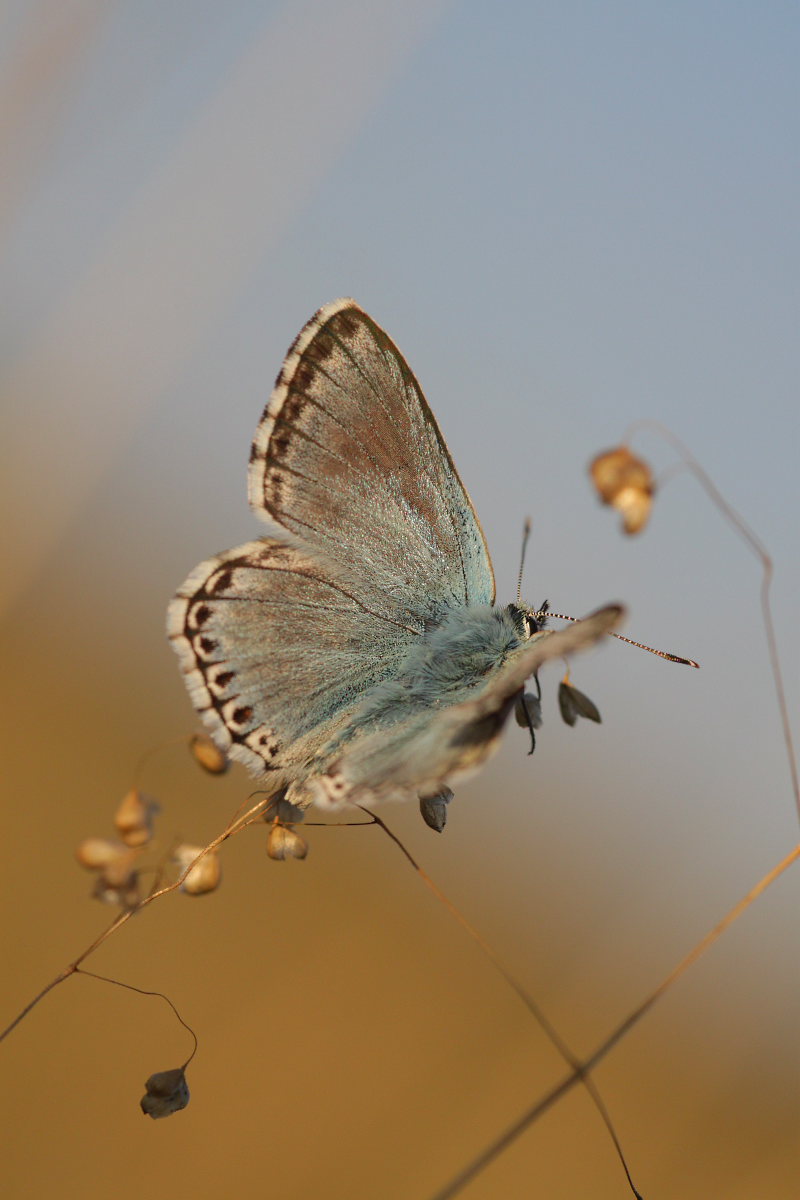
[754, 543]
[579, 1073]
[234, 826]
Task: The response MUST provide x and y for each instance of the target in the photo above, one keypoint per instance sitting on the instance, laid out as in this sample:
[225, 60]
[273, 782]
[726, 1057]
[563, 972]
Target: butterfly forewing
[349, 460]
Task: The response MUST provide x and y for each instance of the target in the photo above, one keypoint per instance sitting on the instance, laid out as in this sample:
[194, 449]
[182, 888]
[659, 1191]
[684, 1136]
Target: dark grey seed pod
[534, 707]
[288, 813]
[434, 808]
[165, 1093]
[574, 704]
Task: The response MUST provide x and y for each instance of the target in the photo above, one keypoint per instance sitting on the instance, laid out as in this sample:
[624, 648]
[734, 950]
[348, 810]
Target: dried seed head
[165, 1093]
[635, 505]
[574, 704]
[126, 896]
[134, 818]
[208, 754]
[282, 810]
[284, 843]
[434, 808]
[118, 882]
[533, 705]
[626, 483]
[204, 876]
[528, 714]
[95, 853]
[289, 813]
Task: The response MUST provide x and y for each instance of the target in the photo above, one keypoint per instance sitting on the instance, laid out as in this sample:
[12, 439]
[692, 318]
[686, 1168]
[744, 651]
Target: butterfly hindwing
[349, 460]
[276, 652]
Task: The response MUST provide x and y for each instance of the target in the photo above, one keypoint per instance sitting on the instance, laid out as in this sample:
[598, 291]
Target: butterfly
[355, 654]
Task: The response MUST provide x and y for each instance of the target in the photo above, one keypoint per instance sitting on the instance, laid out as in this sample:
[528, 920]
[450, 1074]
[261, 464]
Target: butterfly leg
[528, 713]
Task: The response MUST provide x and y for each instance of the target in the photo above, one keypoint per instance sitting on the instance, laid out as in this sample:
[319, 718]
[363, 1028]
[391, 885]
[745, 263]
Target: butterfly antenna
[687, 662]
[525, 535]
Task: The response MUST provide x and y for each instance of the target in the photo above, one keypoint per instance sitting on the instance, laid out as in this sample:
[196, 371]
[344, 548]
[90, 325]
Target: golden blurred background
[568, 217]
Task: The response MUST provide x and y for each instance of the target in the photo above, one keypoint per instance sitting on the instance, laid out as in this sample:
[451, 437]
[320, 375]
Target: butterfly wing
[280, 639]
[277, 652]
[348, 460]
[426, 750]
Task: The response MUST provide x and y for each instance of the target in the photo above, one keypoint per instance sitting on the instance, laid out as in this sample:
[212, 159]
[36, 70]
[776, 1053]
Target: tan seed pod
[119, 869]
[118, 883]
[166, 1092]
[626, 483]
[134, 818]
[284, 843]
[95, 853]
[635, 505]
[204, 876]
[208, 754]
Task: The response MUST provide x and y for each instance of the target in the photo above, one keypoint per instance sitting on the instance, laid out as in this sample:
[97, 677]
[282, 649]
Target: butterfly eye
[524, 620]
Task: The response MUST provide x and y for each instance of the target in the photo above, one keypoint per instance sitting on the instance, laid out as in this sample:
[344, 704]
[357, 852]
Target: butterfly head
[528, 620]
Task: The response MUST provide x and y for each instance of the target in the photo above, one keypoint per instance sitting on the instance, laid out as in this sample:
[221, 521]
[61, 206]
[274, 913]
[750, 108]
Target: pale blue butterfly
[356, 654]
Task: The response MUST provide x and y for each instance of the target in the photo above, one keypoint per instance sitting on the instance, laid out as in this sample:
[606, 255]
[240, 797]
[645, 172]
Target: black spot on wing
[222, 581]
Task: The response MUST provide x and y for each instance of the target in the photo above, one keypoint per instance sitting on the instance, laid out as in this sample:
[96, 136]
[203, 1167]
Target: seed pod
[134, 818]
[118, 882]
[434, 808]
[204, 876]
[533, 705]
[289, 813]
[635, 505]
[208, 754]
[574, 704]
[284, 843]
[95, 853]
[626, 483]
[528, 714]
[165, 1093]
